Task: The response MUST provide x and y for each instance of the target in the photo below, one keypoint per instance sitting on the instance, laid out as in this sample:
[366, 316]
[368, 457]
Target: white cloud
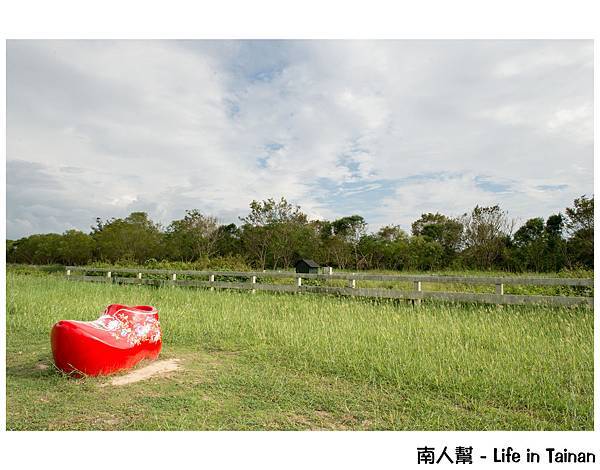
[546, 57]
[576, 122]
[165, 126]
[510, 115]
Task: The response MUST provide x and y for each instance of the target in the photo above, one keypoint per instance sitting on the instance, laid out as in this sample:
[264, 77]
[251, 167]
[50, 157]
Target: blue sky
[385, 129]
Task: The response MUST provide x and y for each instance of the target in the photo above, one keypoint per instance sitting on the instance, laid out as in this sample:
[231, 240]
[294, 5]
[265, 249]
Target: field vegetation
[305, 361]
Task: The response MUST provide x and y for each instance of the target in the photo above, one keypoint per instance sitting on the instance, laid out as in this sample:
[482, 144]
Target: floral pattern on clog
[133, 326]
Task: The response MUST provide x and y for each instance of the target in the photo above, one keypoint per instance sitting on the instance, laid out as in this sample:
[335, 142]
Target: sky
[387, 129]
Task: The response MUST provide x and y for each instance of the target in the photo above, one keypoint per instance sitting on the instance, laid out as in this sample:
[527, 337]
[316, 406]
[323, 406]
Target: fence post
[253, 281]
[418, 288]
[415, 295]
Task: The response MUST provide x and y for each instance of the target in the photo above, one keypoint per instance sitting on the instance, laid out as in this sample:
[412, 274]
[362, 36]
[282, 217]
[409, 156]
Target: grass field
[268, 361]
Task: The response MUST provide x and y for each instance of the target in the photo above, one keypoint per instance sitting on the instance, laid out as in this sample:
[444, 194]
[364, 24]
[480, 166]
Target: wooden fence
[248, 280]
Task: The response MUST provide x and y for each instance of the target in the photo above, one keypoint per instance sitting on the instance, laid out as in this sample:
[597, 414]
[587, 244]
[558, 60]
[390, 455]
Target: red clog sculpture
[119, 339]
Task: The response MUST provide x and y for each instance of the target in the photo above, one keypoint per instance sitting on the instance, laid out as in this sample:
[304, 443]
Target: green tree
[530, 245]
[486, 236]
[76, 248]
[395, 247]
[391, 233]
[538, 246]
[579, 224]
[384, 250]
[11, 251]
[424, 254]
[194, 237]
[371, 252]
[350, 230]
[135, 237]
[269, 212]
[398, 253]
[333, 249]
[555, 253]
[444, 230]
[292, 240]
[228, 240]
[272, 232]
[38, 249]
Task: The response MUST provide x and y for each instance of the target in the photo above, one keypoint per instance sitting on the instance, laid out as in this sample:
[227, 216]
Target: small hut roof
[309, 262]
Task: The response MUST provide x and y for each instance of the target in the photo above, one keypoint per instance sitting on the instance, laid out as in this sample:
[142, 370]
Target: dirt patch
[42, 366]
[323, 414]
[151, 370]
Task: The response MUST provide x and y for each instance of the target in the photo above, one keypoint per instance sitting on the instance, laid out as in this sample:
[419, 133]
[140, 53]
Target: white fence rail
[231, 280]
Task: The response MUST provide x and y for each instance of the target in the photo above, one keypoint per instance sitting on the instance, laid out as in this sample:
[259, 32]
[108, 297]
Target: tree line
[275, 234]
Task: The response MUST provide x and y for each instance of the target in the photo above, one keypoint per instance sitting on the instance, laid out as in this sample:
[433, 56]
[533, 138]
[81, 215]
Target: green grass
[268, 361]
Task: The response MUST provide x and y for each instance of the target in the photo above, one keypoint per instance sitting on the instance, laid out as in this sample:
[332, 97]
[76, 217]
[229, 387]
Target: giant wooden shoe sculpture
[119, 339]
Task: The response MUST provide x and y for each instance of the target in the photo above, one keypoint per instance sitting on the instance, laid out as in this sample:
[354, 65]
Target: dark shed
[307, 266]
